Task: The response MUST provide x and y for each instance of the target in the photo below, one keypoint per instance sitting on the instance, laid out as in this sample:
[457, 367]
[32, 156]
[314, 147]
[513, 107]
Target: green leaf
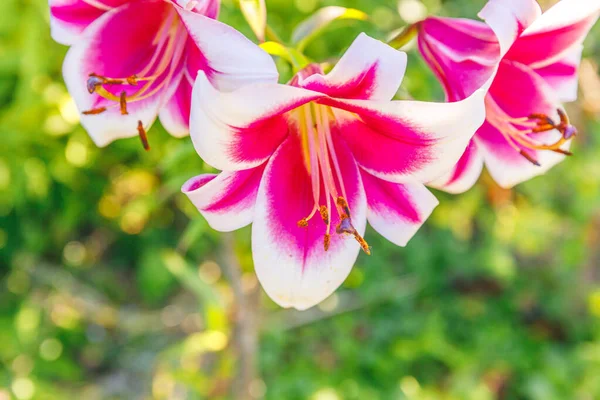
[310, 28]
[293, 56]
[255, 12]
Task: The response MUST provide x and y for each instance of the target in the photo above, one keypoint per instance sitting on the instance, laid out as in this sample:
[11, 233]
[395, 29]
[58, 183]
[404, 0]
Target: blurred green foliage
[113, 287]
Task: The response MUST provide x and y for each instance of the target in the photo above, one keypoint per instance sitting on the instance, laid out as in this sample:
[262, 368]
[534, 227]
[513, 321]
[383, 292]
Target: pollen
[324, 214]
[326, 241]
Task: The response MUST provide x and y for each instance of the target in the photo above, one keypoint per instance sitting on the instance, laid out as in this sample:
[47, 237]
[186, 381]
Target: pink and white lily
[309, 163]
[535, 58]
[132, 60]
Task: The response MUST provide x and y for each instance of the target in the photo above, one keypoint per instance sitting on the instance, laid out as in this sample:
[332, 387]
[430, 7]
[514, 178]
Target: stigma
[327, 182]
[522, 134]
[150, 78]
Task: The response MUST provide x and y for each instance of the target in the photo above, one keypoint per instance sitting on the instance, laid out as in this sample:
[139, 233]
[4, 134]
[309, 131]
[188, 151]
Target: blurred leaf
[310, 28]
[255, 12]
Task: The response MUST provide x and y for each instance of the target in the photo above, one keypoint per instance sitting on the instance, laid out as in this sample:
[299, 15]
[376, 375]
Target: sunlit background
[113, 286]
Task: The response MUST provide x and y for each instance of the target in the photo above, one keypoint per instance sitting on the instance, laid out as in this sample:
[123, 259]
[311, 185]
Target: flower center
[521, 133]
[325, 173]
[152, 77]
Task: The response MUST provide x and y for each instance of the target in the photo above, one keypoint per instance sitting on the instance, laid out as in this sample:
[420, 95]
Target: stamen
[326, 241]
[520, 132]
[143, 136]
[94, 111]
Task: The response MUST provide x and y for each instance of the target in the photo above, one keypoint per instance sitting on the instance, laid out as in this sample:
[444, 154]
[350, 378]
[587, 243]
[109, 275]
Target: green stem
[404, 37]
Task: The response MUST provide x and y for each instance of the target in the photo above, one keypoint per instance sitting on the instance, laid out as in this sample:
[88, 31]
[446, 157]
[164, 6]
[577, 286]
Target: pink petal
[369, 69]
[556, 34]
[397, 211]
[509, 18]
[562, 75]
[407, 141]
[68, 18]
[241, 129]
[119, 44]
[225, 200]
[462, 53]
[504, 162]
[291, 263]
[465, 173]
[231, 60]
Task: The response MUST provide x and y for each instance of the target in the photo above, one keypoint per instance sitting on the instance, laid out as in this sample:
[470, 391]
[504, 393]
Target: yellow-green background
[113, 287]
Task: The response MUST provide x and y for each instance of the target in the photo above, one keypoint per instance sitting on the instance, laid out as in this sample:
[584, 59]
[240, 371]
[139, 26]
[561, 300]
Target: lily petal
[369, 69]
[509, 18]
[232, 60]
[68, 18]
[241, 129]
[397, 211]
[291, 263]
[408, 141]
[135, 24]
[465, 173]
[556, 33]
[225, 200]
[461, 52]
[562, 75]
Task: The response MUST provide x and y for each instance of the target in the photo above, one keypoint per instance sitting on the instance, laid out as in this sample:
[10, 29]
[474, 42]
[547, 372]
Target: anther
[143, 136]
[324, 214]
[132, 80]
[530, 158]
[344, 205]
[123, 103]
[94, 111]
[326, 241]
[303, 223]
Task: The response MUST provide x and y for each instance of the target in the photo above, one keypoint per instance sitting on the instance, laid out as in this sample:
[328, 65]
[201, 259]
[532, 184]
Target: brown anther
[363, 243]
[542, 119]
[94, 111]
[530, 158]
[303, 223]
[344, 205]
[123, 103]
[143, 136]
[564, 118]
[324, 214]
[543, 128]
[132, 80]
[326, 241]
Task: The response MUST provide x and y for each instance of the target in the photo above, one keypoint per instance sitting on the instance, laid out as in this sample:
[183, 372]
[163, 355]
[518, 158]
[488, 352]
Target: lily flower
[310, 162]
[132, 60]
[535, 58]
